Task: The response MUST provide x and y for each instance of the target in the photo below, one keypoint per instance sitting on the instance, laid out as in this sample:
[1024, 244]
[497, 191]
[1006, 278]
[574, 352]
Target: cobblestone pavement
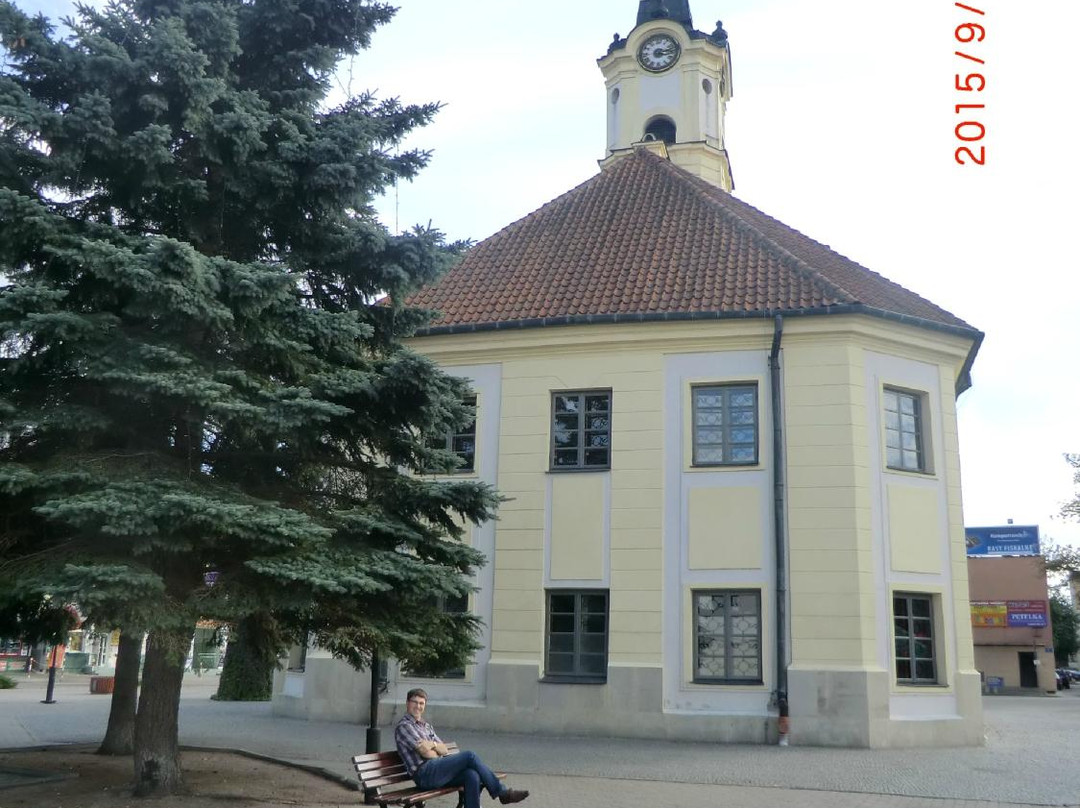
[1027, 759]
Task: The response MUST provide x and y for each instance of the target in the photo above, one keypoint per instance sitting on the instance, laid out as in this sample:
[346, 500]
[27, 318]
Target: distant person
[432, 765]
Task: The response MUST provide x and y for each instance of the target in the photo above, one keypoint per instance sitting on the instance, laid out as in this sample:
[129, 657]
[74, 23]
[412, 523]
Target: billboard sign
[989, 614]
[1013, 540]
[1008, 614]
[1029, 613]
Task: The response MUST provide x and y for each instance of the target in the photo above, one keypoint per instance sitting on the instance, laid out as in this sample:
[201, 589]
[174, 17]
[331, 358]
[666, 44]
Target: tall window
[462, 444]
[904, 431]
[913, 627]
[581, 430]
[450, 604]
[577, 634]
[727, 636]
[725, 425]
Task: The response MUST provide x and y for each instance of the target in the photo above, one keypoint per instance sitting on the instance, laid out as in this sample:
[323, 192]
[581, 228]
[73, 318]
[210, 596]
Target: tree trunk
[250, 660]
[120, 735]
[157, 751]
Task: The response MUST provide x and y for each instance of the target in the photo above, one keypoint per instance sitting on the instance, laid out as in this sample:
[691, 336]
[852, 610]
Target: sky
[842, 125]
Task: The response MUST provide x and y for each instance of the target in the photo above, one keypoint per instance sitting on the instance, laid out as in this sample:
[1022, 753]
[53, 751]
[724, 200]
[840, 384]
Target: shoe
[512, 795]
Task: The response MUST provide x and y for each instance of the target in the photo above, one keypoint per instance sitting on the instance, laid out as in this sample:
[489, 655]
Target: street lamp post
[373, 736]
[56, 656]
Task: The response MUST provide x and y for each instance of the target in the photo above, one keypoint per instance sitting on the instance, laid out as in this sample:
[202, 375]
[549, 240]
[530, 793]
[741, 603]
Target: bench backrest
[384, 770]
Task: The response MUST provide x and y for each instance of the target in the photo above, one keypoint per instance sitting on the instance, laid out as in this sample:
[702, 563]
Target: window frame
[577, 676]
[727, 679]
[725, 446]
[912, 658]
[447, 440]
[921, 433]
[581, 447]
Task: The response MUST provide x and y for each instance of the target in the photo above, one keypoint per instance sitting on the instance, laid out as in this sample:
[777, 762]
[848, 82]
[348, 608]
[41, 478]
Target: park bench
[385, 781]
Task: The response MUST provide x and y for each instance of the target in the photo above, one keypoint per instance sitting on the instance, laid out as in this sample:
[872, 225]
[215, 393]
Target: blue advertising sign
[1016, 540]
[1030, 613]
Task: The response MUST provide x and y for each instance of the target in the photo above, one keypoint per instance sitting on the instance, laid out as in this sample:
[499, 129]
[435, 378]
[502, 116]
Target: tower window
[661, 129]
[615, 96]
[905, 430]
[706, 86]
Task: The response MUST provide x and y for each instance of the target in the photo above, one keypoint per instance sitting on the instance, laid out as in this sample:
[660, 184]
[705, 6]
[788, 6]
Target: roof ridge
[707, 191]
[518, 221]
[719, 197]
[862, 267]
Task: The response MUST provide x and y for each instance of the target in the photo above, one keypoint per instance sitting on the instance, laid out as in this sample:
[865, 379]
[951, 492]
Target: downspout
[779, 492]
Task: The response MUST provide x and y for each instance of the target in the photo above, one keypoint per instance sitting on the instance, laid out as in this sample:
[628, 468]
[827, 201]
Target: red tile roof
[644, 239]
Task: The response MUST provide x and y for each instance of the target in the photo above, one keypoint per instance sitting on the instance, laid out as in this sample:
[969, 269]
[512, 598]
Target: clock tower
[667, 86]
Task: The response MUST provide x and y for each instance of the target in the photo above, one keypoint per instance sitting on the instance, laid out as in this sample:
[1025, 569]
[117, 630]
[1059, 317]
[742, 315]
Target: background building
[1010, 610]
[729, 455]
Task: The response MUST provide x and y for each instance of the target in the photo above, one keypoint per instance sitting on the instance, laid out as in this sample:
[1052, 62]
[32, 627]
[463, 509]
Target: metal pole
[374, 742]
[49, 688]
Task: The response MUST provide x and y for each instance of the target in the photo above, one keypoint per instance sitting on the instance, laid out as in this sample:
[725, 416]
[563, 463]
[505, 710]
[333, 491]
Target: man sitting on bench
[431, 765]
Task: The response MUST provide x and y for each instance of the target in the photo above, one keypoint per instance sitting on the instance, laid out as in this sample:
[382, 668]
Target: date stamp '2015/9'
[969, 85]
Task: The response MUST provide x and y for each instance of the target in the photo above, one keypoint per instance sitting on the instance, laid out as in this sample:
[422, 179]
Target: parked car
[1073, 674]
[1064, 680]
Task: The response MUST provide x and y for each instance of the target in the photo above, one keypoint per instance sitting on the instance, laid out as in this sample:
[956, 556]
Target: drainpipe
[778, 528]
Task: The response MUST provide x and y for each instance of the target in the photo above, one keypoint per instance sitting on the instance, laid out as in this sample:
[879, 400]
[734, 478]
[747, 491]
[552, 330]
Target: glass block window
[725, 425]
[581, 430]
[904, 431]
[727, 636]
[913, 632]
[577, 635]
[462, 443]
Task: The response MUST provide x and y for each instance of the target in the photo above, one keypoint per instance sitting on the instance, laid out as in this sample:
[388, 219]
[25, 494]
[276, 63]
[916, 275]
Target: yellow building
[729, 455]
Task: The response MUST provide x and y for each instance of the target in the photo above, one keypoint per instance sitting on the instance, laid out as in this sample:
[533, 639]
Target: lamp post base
[374, 740]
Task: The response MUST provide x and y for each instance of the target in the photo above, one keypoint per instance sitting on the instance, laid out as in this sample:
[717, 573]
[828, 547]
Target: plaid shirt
[407, 734]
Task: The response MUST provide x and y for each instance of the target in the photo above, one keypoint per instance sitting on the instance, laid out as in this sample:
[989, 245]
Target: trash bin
[102, 684]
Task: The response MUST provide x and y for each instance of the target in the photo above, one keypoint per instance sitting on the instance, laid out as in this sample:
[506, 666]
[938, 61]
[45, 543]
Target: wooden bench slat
[378, 767]
[377, 757]
[411, 796]
[389, 780]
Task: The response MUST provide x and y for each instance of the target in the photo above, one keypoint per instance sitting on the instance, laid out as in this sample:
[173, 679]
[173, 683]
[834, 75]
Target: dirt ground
[213, 780]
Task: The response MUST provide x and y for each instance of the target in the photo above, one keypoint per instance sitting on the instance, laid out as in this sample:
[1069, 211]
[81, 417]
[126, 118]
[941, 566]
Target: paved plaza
[1027, 759]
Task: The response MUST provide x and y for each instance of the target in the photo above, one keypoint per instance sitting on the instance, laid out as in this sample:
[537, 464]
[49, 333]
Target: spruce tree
[250, 659]
[204, 409]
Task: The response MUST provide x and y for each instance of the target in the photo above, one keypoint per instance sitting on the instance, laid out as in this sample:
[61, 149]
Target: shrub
[6, 683]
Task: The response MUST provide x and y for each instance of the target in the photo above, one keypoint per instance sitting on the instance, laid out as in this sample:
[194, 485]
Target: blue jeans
[463, 769]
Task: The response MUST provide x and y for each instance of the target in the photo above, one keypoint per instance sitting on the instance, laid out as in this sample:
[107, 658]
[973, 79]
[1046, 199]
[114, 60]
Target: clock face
[658, 52]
